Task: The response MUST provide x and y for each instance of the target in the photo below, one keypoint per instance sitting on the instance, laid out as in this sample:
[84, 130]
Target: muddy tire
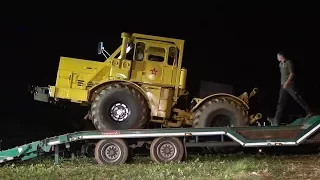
[111, 151]
[119, 106]
[166, 149]
[220, 112]
[87, 149]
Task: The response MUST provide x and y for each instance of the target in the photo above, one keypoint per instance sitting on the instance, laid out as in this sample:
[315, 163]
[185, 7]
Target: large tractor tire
[119, 106]
[220, 112]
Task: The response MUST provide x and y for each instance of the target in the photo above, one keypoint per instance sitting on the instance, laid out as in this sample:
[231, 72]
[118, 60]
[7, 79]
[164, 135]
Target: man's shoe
[272, 121]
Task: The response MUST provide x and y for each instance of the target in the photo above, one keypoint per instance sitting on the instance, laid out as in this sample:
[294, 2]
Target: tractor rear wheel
[119, 106]
[220, 112]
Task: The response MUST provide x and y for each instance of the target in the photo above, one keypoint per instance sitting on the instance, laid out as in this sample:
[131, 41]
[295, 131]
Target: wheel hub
[167, 151]
[119, 112]
[112, 152]
[220, 121]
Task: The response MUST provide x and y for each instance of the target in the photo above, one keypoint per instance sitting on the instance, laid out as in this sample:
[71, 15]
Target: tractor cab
[147, 59]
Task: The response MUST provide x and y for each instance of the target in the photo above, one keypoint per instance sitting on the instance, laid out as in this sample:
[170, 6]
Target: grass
[239, 166]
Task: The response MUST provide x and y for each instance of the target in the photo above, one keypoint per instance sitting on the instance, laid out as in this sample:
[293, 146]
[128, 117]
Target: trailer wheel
[219, 112]
[119, 106]
[111, 151]
[166, 149]
[87, 149]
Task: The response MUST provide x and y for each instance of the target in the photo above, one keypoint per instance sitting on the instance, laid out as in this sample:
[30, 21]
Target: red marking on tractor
[154, 71]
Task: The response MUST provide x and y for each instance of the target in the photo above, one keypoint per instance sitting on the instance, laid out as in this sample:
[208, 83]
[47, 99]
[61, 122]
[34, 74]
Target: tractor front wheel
[119, 106]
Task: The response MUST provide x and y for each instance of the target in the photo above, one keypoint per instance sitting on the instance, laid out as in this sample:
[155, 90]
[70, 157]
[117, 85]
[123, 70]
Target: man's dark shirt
[286, 68]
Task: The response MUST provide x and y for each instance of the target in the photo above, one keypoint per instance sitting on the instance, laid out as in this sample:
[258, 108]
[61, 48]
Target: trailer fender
[198, 101]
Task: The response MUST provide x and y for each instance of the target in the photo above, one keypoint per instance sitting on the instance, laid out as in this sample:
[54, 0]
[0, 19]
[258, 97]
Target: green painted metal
[235, 132]
[306, 126]
[25, 151]
[33, 149]
[297, 121]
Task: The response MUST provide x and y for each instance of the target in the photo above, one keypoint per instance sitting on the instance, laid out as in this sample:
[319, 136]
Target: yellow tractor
[142, 82]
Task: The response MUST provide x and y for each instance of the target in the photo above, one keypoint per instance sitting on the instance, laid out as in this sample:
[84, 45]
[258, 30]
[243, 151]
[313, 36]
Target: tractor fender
[101, 86]
[233, 98]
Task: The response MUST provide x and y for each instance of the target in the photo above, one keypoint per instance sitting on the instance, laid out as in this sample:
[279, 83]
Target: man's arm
[291, 70]
[290, 78]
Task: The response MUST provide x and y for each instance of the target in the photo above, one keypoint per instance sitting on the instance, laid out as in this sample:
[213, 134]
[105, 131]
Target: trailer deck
[170, 144]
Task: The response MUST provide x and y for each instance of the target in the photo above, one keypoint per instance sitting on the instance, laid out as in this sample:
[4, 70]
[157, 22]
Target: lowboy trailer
[171, 144]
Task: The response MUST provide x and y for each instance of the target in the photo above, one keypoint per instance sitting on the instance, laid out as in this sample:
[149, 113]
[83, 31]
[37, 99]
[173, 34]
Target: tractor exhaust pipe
[125, 39]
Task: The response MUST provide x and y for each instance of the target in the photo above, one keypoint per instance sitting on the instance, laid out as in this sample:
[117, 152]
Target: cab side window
[130, 51]
[156, 54]
[173, 56]
[139, 53]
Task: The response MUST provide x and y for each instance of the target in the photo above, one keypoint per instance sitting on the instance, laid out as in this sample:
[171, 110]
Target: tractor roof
[177, 42]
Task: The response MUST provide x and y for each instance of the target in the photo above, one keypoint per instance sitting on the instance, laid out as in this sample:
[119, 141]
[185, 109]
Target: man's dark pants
[283, 96]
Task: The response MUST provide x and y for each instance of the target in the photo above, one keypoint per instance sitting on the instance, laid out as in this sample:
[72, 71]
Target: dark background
[228, 43]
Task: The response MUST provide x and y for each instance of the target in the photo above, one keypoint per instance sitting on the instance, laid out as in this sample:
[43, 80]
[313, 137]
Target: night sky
[240, 42]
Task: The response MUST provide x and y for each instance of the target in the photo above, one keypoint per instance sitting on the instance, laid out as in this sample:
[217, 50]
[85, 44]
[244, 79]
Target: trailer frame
[301, 131]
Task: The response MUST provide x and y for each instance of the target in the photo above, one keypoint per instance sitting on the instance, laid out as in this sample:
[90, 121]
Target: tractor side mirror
[100, 47]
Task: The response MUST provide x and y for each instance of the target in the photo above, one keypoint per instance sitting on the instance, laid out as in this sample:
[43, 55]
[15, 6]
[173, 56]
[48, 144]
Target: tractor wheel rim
[119, 112]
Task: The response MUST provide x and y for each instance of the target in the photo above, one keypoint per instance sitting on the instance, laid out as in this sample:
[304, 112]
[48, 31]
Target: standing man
[288, 87]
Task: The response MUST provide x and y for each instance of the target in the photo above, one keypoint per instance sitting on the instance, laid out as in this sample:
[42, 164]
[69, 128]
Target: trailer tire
[173, 147]
[111, 151]
[208, 116]
[123, 99]
[87, 149]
